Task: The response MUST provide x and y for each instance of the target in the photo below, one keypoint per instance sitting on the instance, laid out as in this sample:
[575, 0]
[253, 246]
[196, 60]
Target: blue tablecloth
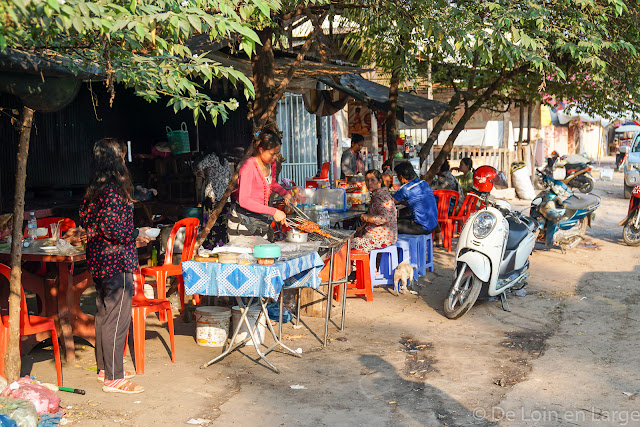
[253, 280]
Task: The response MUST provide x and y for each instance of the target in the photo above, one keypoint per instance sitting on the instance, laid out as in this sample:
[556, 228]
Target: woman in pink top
[250, 213]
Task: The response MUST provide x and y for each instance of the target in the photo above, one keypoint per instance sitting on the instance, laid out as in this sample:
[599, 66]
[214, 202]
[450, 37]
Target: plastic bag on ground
[521, 178]
[45, 400]
[22, 412]
[274, 313]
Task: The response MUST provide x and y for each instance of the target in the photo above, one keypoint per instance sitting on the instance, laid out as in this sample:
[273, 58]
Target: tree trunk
[279, 92]
[454, 102]
[12, 358]
[529, 114]
[263, 76]
[391, 117]
[469, 112]
[521, 126]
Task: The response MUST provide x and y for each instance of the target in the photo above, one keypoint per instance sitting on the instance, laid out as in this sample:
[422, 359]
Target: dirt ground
[567, 354]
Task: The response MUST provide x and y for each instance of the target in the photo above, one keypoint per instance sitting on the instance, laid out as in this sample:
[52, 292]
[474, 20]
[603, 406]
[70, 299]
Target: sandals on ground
[127, 375]
[125, 386]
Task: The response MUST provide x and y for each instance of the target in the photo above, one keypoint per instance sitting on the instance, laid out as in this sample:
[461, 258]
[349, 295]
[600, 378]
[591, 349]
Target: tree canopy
[490, 51]
[142, 44]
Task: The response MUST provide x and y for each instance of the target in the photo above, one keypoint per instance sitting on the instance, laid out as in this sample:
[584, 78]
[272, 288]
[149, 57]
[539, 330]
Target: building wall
[61, 142]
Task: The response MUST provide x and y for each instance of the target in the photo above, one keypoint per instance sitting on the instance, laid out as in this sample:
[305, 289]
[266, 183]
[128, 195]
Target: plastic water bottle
[32, 226]
[323, 221]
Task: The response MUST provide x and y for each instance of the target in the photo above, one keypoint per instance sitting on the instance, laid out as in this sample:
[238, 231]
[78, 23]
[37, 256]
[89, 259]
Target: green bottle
[154, 257]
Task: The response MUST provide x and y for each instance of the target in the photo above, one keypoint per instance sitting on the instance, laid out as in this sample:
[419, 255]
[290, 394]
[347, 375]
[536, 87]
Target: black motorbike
[577, 173]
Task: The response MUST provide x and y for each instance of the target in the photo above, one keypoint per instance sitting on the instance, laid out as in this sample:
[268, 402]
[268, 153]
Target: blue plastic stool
[408, 249]
[421, 251]
[388, 264]
[425, 248]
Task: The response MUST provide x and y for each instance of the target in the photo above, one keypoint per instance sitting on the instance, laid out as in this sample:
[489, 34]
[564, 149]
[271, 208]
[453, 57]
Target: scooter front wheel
[631, 233]
[463, 293]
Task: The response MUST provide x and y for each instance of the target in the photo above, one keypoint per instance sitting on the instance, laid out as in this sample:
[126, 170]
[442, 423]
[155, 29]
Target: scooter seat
[517, 233]
[581, 202]
[576, 166]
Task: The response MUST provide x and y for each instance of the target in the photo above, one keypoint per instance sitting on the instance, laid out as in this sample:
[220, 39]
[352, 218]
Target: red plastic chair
[446, 223]
[161, 272]
[324, 171]
[65, 224]
[29, 325]
[469, 206]
[362, 285]
[140, 309]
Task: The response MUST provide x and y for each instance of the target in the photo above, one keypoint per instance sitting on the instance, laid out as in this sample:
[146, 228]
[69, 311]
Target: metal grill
[338, 237]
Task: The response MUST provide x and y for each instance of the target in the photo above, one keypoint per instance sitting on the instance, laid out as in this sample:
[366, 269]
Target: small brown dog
[404, 275]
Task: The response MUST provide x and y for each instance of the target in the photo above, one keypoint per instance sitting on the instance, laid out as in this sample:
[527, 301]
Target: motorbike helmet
[486, 177]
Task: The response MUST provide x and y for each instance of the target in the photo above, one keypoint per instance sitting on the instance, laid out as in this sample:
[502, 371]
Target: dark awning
[413, 110]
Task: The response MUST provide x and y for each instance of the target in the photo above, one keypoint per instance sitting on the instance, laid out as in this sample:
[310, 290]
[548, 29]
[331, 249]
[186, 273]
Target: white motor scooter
[492, 255]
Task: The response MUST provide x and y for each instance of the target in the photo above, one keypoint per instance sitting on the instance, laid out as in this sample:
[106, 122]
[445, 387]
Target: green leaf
[53, 4]
[139, 28]
[195, 23]
[77, 24]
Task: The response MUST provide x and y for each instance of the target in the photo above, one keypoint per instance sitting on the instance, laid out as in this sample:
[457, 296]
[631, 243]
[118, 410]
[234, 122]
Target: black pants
[408, 225]
[113, 320]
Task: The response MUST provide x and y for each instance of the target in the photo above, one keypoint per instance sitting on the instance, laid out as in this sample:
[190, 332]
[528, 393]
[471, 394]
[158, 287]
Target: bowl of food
[295, 236]
[266, 254]
[153, 232]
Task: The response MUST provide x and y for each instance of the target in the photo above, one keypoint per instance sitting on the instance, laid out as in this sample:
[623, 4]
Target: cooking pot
[295, 236]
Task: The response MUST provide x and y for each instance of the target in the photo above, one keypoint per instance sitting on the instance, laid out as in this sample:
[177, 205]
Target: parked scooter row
[495, 243]
[577, 172]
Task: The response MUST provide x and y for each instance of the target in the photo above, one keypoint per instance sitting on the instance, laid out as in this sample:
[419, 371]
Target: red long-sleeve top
[253, 191]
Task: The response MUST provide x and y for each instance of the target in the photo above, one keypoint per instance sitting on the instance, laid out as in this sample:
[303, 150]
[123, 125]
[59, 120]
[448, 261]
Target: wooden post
[521, 123]
[12, 358]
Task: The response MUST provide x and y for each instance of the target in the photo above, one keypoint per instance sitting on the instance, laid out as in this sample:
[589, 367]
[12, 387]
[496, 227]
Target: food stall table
[255, 282]
[336, 217]
[64, 297]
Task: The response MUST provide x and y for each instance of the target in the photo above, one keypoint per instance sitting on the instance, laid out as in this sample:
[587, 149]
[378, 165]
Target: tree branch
[448, 145]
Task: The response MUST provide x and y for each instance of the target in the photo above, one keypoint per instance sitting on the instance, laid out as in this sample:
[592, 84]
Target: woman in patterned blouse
[381, 227]
[107, 215]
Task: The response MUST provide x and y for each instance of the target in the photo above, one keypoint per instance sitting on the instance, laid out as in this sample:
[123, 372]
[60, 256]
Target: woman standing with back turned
[107, 215]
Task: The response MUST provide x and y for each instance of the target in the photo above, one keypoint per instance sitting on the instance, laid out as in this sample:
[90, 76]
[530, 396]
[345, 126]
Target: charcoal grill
[339, 236]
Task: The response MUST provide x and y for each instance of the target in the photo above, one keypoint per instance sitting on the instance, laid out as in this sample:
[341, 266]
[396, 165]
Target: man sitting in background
[352, 161]
[421, 214]
[445, 180]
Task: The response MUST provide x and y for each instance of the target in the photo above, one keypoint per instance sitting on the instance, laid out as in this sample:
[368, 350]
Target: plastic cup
[55, 229]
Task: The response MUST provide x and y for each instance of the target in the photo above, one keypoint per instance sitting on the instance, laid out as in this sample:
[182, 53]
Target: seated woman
[466, 179]
[250, 214]
[381, 228]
